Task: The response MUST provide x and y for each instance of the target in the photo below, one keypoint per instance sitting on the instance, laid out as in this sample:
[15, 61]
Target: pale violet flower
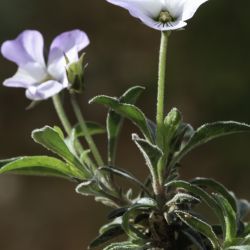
[161, 14]
[42, 78]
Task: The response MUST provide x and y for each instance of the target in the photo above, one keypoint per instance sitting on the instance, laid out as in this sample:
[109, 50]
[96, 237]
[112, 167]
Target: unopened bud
[172, 121]
[75, 74]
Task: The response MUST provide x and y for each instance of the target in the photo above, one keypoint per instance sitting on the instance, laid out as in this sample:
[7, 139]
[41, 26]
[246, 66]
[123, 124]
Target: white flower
[161, 14]
[42, 79]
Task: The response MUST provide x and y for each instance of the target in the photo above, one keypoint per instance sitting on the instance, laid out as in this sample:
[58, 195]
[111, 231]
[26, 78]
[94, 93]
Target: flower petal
[151, 8]
[20, 80]
[69, 44]
[26, 48]
[44, 90]
[190, 7]
[57, 64]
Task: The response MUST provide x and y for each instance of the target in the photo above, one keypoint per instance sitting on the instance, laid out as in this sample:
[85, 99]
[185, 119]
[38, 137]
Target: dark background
[208, 79]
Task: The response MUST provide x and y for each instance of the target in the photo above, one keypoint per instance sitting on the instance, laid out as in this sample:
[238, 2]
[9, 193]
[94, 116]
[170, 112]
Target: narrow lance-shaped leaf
[129, 111]
[151, 153]
[229, 217]
[209, 132]
[115, 121]
[200, 226]
[42, 165]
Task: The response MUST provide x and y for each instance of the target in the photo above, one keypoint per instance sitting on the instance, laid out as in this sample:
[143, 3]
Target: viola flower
[161, 14]
[42, 79]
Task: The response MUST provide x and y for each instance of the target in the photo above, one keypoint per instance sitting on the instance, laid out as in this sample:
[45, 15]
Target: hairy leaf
[229, 217]
[129, 111]
[52, 139]
[200, 226]
[211, 131]
[151, 153]
[42, 165]
[115, 121]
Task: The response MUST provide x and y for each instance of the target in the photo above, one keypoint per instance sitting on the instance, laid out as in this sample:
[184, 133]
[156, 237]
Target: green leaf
[115, 121]
[129, 111]
[126, 175]
[200, 226]
[151, 153]
[51, 139]
[126, 245]
[218, 188]
[229, 217]
[42, 165]
[211, 131]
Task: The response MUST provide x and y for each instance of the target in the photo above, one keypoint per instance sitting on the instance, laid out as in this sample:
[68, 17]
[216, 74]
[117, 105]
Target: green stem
[84, 128]
[64, 120]
[161, 89]
[161, 108]
[61, 114]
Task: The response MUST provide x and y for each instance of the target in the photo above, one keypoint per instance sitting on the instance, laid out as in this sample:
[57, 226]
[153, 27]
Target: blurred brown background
[208, 80]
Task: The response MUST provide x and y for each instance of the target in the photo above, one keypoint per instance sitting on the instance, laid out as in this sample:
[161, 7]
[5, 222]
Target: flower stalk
[65, 122]
[84, 128]
[61, 113]
[161, 89]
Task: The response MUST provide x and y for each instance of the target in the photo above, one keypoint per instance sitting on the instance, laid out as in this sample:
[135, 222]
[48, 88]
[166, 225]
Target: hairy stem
[161, 89]
[161, 104]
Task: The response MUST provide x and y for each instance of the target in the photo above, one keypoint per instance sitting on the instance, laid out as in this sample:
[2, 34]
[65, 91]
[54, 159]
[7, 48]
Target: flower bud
[172, 122]
[75, 73]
